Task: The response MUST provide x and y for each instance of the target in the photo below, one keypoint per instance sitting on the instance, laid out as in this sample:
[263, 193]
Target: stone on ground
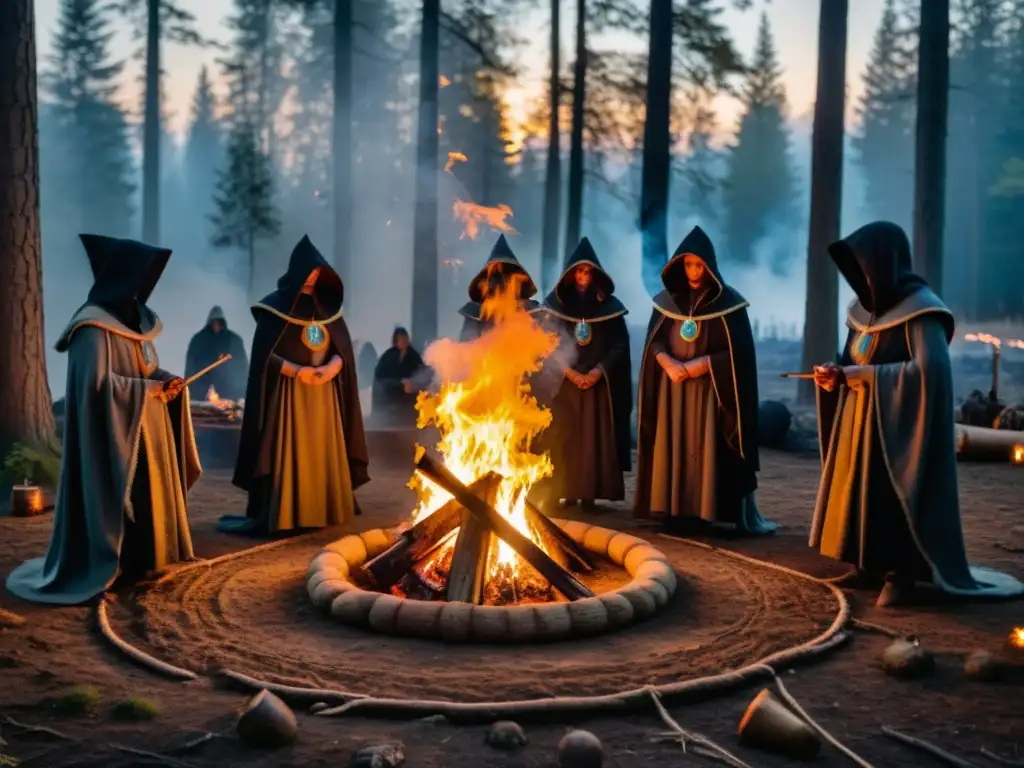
[380, 756]
[580, 749]
[267, 722]
[907, 659]
[506, 735]
[982, 665]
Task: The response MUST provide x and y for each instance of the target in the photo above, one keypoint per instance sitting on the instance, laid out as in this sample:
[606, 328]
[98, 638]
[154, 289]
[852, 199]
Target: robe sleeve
[828, 402]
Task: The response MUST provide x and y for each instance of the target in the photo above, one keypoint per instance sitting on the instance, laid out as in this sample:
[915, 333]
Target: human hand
[333, 368]
[171, 389]
[828, 376]
[308, 375]
[589, 380]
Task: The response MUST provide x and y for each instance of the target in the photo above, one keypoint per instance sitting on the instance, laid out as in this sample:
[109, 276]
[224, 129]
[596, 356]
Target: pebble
[506, 735]
[320, 706]
[982, 665]
[380, 756]
[580, 749]
[907, 660]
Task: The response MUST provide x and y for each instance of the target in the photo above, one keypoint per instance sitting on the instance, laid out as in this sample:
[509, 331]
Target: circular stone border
[654, 581]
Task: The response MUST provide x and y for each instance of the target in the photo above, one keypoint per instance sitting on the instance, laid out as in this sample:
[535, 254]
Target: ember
[1017, 456]
[1017, 637]
[473, 215]
[453, 158]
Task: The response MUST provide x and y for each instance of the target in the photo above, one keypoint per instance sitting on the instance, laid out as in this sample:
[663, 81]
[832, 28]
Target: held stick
[220, 361]
[797, 375]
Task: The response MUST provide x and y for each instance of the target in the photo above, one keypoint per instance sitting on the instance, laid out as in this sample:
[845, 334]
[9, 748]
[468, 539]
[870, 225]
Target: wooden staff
[797, 375]
[220, 361]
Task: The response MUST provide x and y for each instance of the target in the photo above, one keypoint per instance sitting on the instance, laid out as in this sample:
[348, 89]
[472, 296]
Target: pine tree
[203, 146]
[81, 84]
[244, 205]
[760, 184]
[884, 143]
[702, 164]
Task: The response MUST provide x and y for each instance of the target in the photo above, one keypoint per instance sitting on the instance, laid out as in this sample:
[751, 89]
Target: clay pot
[768, 724]
[27, 501]
[267, 722]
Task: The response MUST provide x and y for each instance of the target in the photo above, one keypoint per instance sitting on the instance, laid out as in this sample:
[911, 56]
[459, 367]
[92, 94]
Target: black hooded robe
[129, 459]
[228, 380]
[589, 439]
[500, 265]
[697, 452]
[303, 449]
[888, 501]
[392, 405]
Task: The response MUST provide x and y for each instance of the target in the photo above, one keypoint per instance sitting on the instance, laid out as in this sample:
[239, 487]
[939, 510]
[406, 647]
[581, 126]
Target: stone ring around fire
[653, 583]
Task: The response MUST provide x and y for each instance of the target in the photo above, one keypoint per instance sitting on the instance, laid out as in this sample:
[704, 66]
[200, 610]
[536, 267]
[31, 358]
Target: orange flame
[453, 158]
[487, 416]
[1017, 637]
[473, 215]
[995, 341]
[1017, 457]
[214, 399]
[443, 81]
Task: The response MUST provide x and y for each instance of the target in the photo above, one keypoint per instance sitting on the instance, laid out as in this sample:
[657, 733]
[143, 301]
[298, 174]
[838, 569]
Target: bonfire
[217, 408]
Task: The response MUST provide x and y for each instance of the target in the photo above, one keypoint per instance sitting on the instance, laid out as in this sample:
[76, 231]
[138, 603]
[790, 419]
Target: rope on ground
[291, 693]
[176, 572]
[139, 657]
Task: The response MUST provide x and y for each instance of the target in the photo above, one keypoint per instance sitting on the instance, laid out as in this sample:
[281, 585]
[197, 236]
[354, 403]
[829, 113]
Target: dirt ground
[252, 615]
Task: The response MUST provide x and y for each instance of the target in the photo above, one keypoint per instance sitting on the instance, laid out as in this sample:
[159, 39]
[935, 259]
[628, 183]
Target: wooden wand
[797, 375]
[220, 361]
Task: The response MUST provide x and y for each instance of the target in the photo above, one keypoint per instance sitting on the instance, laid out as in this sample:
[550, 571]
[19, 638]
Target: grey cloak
[128, 463]
[888, 501]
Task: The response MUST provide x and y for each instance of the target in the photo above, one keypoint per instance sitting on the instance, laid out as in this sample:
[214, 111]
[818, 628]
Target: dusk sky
[794, 23]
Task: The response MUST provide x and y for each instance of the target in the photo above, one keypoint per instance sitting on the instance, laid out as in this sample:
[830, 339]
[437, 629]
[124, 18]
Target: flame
[453, 158]
[1017, 637]
[443, 81]
[473, 215]
[995, 341]
[1017, 457]
[487, 416]
[214, 399]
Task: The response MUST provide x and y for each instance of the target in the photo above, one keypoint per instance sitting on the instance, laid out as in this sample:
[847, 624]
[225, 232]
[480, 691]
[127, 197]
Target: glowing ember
[216, 400]
[1017, 457]
[1016, 638]
[443, 81]
[473, 215]
[453, 158]
[487, 418]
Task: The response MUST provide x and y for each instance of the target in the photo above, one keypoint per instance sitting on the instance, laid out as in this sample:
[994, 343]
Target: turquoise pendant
[689, 330]
[583, 333]
[862, 347]
[147, 353]
[315, 336]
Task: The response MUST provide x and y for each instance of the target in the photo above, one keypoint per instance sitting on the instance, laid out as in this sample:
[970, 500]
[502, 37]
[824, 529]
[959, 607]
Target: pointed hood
[502, 262]
[329, 290]
[130, 271]
[597, 302]
[678, 300]
[875, 260]
[216, 313]
[96, 248]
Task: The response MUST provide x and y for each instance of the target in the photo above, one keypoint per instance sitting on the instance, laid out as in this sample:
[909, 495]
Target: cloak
[329, 295]
[500, 265]
[206, 347]
[601, 318]
[391, 403]
[722, 315]
[128, 459]
[889, 497]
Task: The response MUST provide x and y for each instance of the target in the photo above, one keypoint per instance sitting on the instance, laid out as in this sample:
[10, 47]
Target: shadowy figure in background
[697, 453]
[208, 346]
[303, 448]
[394, 393]
[494, 276]
[888, 501]
[129, 455]
[589, 436]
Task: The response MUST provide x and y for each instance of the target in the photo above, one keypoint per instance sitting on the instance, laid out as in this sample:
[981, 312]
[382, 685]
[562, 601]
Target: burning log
[468, 575]
[557, 540]
[390, 566]
[560, 579]
[981, 444]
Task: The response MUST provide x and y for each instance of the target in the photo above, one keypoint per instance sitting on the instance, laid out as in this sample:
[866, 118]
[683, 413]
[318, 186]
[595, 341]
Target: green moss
[80, 700]
[135, 709]
[38, 464]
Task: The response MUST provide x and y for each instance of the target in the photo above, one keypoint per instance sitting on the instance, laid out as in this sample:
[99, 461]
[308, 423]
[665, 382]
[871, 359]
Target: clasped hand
[170, 390]
[584, 381]
[319, 375]
[674, 369]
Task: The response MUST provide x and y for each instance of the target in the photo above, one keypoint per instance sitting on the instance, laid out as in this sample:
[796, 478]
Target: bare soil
[252, 615]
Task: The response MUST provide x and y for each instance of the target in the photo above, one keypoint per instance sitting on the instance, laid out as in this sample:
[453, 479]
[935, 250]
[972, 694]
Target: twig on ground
[156, 756]
[175, 572]
[702, 745]
[1002, 760]
[139, 657]
[927, 746]
[36, 729]
[1008, 548]
[878, 629]
[196, 743]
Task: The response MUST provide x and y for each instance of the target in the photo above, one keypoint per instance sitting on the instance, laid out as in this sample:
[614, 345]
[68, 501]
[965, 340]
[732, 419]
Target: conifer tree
[203, 146]
[81, 85]
[702, 165]
[760, 184]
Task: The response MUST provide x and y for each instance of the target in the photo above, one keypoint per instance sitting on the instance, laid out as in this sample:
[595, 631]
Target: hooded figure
[394, 394]
[589, 436]
[888, 501]
[303, 449]
[129, 451]
[208, 346]
[500, 266]
[697, 455]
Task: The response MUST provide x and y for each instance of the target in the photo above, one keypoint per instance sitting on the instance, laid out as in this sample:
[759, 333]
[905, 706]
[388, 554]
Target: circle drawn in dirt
[252, 614]
[653, 583]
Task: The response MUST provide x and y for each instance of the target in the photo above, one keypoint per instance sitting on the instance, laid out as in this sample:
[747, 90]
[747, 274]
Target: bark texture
[342, 138]
[579, 95]
[151, 128]
[25, 408]
[553, 177]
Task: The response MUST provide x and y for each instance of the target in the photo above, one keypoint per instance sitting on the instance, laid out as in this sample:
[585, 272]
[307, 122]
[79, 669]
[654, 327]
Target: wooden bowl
[27, 501]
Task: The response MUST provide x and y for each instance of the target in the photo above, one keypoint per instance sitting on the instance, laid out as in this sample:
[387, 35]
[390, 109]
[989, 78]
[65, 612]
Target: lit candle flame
[443, 81]
[1018, 454]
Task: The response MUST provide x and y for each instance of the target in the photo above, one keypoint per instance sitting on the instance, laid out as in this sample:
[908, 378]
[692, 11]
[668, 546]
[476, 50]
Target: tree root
[155, 756]
[1002, 760]
[927, 746]
[25, 727]
[702, 745]
[139, 657]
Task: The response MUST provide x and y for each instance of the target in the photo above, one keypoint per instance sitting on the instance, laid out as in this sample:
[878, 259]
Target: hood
[501, 262]
[128, 273]
[216, 313]
[584, 253]
[673, 275]
[875, 260]
[329, 289]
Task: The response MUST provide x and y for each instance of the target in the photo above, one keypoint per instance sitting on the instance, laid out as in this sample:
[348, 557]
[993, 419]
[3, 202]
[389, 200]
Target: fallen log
[983, 444]
[385, 570]
[560, 579]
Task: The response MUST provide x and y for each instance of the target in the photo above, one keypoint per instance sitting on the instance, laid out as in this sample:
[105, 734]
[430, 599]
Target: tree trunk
[657, 156]
[553, 178]
[151, 128]
[252, 263]
[930, 150]
[424, 253]
[26, 412]
[821, 310]
[342, 138]
[579, 94]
